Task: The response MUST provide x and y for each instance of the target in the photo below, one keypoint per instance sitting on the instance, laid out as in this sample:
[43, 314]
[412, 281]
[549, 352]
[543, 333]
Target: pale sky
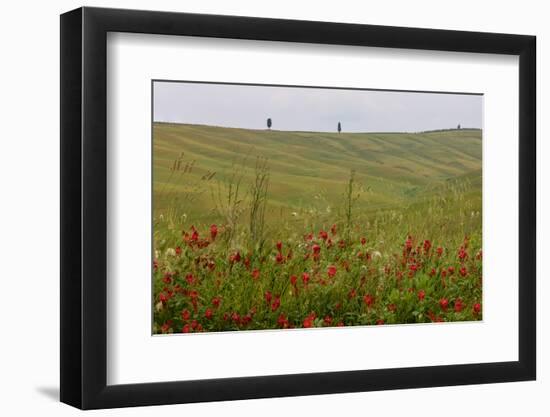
[313, 109]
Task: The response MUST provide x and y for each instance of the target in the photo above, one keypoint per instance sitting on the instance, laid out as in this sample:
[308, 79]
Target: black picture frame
[84, 207]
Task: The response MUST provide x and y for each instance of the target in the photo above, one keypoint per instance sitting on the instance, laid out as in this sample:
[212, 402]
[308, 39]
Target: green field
[308, 229]
[307, 170]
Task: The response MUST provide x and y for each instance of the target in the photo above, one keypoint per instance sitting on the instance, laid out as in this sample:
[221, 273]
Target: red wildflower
[427, 245]
[432, 272]
[190, 279]
[458, 305]
[213, 231]
[165, 327]
[363, 240]
[255, 274]
[392, 307]
[305, 278]
[293, 279]
[352, 293]
[167, 279]
[163, 297]
[178, 251]
[268, 296]
[439, 251]
[276, 304]
[309, 321]
[236, 318]
[185, 315]
[282, 321]
[216, 301]
[421, 294]
[379, 322]
[462, 254]
[195, 234]
[477, 308]
[331, 271]
[327, 320]
[316, 249]
[208, 313]
[186, 328]
[235, 257]
[444, 303]
[451, 270]
[463, 271]
[408, 244]
[368, 300]
[333, 229]
[323, 235]
[279, 245]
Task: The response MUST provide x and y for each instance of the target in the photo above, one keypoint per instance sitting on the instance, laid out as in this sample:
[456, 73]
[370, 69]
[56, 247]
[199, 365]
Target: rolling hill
[308, 170]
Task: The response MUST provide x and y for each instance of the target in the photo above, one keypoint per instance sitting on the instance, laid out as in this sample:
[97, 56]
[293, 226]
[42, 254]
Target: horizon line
[319, 131]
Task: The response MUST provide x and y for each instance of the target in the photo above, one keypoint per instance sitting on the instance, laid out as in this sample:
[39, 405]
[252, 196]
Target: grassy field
[258, 229]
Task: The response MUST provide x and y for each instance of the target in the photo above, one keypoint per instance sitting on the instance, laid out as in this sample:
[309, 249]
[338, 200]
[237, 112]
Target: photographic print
[286, 207]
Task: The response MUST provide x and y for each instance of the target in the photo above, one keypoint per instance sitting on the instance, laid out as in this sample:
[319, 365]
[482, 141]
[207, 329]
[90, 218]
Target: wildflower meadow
[265, 229]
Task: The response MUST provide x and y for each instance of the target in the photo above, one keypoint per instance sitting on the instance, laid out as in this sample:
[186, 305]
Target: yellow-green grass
[308, 170]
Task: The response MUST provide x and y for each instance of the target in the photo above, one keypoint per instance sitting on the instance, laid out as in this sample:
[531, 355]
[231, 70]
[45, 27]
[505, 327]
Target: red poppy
[305, 278]
[276, 304]
[439, 251]
[167, 278]
[282, 321]
[458, 305]
[255, 274]
[327, 320]
[331, 271]
[165, 327]
[451, 270]
[462, 254]
[363, 240]
[178, 251]
[190, 279]
[293, 279]
[208, 313]
[444, 303]
[279, 245]
[463, 271]
[477, 308]
[216, 301]
[268, 296]
[213, 231]
[316, 249]
[323, 235]
[235, 257]
[186, 328]
[368, 300]
[309, 321]
[427, 245]
[185, 314]
[421, 294]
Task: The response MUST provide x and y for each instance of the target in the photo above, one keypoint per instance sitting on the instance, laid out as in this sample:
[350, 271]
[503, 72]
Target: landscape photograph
[289, 207]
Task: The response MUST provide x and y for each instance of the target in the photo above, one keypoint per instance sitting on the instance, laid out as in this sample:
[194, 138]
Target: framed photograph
[256, 208]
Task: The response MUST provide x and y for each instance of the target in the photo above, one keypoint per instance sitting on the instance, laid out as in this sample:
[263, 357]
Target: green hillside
[308, 170]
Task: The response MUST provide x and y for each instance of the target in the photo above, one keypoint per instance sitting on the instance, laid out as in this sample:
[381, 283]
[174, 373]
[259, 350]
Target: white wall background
[29, 225]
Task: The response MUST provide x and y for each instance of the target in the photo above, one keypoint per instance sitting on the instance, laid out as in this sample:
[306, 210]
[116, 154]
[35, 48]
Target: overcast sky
[313, 109]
